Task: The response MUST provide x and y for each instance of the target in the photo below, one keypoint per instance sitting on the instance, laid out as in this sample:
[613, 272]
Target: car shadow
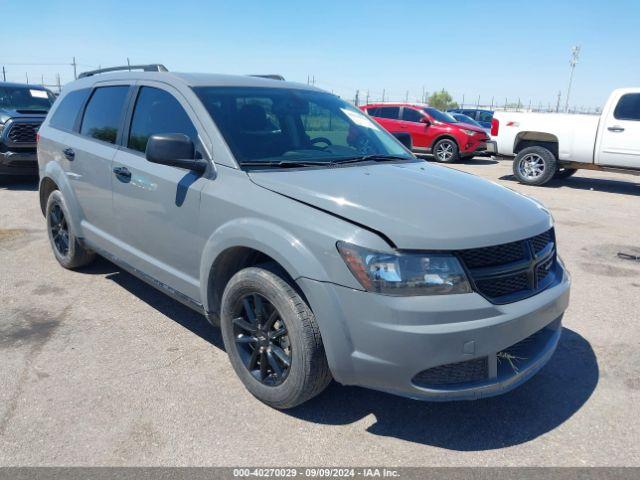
[176, 311]
[19, 183]
[463, 161]
[621, 187]
[533, 409]
[543, 403]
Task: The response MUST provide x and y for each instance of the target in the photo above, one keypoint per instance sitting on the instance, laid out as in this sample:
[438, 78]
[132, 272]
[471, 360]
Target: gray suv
[318, 243]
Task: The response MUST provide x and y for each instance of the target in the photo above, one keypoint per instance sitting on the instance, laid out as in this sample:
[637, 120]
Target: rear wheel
[446, 151]
[534, 166]
[64, 243]
[272, 338]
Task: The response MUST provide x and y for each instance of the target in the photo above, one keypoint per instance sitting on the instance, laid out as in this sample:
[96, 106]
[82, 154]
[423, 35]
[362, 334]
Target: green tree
[442, 100]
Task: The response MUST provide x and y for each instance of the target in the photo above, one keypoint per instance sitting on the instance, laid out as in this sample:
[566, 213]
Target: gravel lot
[97, 368]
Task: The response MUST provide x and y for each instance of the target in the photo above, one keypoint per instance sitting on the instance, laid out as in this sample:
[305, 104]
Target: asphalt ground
[97, 368]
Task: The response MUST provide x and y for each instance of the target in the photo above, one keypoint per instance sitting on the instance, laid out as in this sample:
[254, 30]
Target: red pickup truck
[431, 130]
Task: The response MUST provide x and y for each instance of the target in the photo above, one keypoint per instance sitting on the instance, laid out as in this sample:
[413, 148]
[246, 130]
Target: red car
[431, 130]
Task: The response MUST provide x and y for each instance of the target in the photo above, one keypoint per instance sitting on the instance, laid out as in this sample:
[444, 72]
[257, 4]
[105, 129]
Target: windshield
[24, 98]
[465, 119]
[439, 116]
[271, 126]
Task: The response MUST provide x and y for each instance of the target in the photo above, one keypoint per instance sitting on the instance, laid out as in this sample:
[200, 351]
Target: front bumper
[18, 162]
[387, 343]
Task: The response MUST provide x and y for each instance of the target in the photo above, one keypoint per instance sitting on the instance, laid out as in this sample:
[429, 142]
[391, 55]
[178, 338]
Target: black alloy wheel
[262, 340]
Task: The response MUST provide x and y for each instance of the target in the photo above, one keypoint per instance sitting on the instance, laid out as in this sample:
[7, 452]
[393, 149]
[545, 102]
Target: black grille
[512, 271]
[23, 132]
[490, 256]
[501, 286]
[471, 371]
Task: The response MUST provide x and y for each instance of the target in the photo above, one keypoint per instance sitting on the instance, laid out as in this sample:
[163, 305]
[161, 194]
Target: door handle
[615, 128]
[69, 153]
[122, 173]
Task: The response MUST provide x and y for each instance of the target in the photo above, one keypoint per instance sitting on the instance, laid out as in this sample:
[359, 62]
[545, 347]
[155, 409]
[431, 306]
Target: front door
[412, 123]
[157, 206]
[619, 145]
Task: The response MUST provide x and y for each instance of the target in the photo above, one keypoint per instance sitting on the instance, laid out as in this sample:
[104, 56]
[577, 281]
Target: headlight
[405, 274]
[469, 132]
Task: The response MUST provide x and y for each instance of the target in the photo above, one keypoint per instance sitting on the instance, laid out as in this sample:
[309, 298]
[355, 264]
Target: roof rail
[273, 76]
[153, 67]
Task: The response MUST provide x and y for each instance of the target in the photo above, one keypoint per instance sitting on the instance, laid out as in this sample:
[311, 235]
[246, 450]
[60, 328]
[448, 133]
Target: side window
[66, 113]
[388, 112]
[469, 113]
[485, 116]
[410, 115]
[157, 111]
[103, 113]
[628, 107]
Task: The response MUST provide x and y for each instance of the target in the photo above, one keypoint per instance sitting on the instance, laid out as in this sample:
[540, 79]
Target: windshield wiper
[286, 164]
[371, 158]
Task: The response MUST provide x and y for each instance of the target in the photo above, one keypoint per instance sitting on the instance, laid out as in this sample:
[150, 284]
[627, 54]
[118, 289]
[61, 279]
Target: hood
[468, 126]
[7, 113]
[416, 205]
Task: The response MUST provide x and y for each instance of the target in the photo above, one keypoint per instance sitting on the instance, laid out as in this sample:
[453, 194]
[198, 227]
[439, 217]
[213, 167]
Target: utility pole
[383, 94]
[558, 102]
[575, 55]
[491, 108]
[367, 102]
[462, 104]
[75, 68]
[42, 78]
[128, 64]
[357, 97]
[406, 97]
[424, 96]
[4, 74]
[59, 86]
[478, 104]
[27, 75]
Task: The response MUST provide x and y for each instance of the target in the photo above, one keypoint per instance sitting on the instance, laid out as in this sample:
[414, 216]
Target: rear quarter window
[65, 115]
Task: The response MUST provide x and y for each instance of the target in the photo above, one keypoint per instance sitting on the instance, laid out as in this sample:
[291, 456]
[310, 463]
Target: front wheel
[446, 151]
[534, 166]
[272, 338]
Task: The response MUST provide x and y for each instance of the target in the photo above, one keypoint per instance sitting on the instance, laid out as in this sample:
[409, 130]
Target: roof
[396, 104]
[22, 85]
[193, 80]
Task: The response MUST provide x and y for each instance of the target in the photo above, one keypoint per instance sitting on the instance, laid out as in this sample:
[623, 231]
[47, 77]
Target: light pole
[575, 55]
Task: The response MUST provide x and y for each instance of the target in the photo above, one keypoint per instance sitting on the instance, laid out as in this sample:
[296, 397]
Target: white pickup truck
[554, 145]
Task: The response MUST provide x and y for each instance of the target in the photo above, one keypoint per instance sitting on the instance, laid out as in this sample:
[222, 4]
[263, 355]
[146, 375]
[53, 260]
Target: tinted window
[410, 115]
[103, 113]
[385, 112]
[157, 111]
[485, 116]
[439, 116]
[269, 126]
[25, 98]
[628, 107]
[66, 113]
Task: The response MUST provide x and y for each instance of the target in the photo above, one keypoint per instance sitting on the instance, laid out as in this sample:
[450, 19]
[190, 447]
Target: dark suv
[22, 110]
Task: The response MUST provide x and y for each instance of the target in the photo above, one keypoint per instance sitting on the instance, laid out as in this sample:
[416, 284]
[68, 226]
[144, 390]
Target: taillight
[495, 127]
[37, 137]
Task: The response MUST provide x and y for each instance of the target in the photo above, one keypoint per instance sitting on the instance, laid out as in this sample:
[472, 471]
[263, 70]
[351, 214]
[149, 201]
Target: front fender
[290, 252]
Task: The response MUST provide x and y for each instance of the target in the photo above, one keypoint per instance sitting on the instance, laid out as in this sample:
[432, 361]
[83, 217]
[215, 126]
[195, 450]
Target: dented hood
[414, 204]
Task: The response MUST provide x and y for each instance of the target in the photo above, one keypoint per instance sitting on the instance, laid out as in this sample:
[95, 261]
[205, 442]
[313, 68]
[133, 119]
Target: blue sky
[500, 49]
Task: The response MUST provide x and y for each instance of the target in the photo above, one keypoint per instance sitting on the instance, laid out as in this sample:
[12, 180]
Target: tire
[562, 173]
[534, 166]
[446, 151]
[61, 233]
[308, 372]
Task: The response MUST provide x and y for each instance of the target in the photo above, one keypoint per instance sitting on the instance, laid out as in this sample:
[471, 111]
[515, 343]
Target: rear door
[388, 117]
[411, 123]
[619, 143]
[157, 206]
[89, 152]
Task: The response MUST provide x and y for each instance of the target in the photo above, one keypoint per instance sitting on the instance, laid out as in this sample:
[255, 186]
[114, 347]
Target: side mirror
[426, 121]
[175, 150]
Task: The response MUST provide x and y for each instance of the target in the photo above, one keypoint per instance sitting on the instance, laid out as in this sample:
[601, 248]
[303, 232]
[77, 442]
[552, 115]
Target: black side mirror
[426, 121]
[174, 149]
